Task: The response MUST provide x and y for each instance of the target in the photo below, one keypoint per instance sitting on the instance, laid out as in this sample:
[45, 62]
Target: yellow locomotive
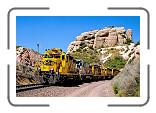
[57, 66]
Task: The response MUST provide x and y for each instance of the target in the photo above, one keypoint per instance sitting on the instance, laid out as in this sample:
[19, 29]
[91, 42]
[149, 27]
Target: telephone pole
[38, 47]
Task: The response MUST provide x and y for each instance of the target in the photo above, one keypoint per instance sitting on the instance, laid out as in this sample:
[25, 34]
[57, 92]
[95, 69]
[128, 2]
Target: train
[57, 67]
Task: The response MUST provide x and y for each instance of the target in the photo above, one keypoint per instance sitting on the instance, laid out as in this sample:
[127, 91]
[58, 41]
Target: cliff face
[25, 61]
[107, 37]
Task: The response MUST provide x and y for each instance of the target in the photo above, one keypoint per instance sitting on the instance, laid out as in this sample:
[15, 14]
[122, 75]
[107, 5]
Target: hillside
[25, 61]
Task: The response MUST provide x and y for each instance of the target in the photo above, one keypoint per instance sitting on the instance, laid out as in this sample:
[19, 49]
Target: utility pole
[38, 47]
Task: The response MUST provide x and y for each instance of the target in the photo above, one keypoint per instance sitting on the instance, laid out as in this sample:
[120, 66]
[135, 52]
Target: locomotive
[57, 66]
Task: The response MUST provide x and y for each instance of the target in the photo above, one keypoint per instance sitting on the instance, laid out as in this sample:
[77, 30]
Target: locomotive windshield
[48, 62]
[56, 56]
[48, 56]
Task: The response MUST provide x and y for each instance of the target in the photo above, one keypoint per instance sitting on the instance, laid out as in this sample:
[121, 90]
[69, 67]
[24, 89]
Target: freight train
[57, 66]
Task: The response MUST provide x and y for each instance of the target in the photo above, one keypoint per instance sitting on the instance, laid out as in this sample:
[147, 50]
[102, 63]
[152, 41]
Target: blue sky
[59, 31]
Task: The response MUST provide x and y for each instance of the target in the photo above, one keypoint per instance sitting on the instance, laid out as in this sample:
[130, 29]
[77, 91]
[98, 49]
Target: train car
[109, 73]
[86, 72]
[50, 64]
[68, 69]
[96, 71]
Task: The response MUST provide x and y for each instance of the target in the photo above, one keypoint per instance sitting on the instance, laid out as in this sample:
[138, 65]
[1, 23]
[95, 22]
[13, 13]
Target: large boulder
[127, 82]
[86, 36]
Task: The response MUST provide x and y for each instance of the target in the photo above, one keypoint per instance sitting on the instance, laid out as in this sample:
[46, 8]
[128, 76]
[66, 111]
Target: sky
[59, 31]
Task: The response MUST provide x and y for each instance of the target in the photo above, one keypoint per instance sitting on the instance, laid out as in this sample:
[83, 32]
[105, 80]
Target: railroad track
[21, 88]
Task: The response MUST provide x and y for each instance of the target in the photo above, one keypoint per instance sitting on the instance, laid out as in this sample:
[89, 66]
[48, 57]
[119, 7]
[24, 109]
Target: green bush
[18, 46]
[128, 41]
[115, 63]
[82, 45]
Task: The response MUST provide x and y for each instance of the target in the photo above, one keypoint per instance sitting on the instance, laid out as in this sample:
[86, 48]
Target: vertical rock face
[108, 36]
[129, 34]
[111, 40]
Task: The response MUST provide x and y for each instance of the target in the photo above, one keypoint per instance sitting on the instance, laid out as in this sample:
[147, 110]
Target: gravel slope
[93, 89]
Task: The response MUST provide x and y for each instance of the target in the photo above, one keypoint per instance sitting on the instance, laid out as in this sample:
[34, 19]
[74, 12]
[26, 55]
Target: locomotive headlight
[51, 70]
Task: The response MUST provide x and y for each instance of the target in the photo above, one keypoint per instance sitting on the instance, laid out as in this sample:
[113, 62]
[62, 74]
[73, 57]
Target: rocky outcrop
[129, 34]
[25, 61]
[26, 56]
[109, 36]
[127, 82]
[127, 52]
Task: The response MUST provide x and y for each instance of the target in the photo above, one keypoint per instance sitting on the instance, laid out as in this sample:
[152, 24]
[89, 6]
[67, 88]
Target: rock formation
[25, 61]
[127, 82]
[107, 37]
[128, 52]
[26, 56]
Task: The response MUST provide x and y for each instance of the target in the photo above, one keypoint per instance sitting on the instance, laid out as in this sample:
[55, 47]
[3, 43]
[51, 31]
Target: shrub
[116, 62]
[82, 45]
[128, 41]
[18, 46]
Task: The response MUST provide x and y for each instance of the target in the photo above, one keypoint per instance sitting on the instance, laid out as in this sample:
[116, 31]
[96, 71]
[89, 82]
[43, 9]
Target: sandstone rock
[137, 52]
[80, 38]
[103, 33]
[86, 36]
[120, 39]
[99, 42]
[112, 33]
[91, 41]
[129, 34]
[109, 36]
[90, 45]
[120, 30]
[111, 40]
[27, 56]
[25, 61]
